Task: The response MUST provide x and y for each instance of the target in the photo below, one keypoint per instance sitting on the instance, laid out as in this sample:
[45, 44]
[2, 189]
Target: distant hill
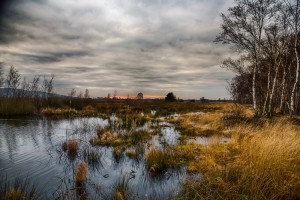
[20, 92]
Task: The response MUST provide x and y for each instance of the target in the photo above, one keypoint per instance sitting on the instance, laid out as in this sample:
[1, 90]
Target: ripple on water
[28, 148]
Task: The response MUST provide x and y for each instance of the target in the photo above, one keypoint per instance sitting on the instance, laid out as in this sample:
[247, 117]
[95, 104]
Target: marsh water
[31, 148]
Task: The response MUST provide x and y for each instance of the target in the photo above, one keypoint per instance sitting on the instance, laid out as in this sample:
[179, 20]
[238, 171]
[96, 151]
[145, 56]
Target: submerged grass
[121, 189]
[260, 162]
[91, 156]
[19, 189]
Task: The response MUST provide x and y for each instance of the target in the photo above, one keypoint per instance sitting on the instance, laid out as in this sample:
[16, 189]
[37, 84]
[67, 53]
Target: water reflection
[33, 148]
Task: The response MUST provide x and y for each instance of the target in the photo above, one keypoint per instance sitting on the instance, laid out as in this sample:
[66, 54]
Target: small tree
[13, 80]
[71, 95]
[170, 97]
[80, 95]
[87, 93]
[115, 94]
[140, 96]
[1, 77]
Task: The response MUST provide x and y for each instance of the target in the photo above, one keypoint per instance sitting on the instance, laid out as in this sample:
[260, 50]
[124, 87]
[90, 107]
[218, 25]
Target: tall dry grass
[261, 162]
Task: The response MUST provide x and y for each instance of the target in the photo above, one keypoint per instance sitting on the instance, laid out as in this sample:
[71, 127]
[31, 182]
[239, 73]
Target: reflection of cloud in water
[33, 148]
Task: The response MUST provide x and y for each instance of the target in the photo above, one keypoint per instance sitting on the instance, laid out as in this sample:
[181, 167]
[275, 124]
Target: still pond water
[31, 148]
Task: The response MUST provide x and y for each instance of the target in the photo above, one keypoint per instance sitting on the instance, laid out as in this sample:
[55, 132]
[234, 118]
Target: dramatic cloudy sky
[152, 46]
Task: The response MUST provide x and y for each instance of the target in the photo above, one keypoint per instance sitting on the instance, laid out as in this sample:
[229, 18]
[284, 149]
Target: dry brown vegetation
[58, 111]
[262, 161]
[81, 174]
[13, 194]
[71, 146]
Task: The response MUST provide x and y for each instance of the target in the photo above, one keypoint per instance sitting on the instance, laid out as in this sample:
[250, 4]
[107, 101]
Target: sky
[127, 46]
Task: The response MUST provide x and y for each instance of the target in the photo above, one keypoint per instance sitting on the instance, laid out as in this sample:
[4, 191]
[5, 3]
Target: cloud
[129, 46]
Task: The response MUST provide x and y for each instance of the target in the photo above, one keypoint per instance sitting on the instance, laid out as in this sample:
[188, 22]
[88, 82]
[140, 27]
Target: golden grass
[259, 163]
[200, 124]
[81, 174]
[58, 111]
[214, 122]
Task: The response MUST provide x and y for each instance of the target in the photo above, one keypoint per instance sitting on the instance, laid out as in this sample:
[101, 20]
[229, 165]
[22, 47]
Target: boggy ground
[260, 161]
[246, 158]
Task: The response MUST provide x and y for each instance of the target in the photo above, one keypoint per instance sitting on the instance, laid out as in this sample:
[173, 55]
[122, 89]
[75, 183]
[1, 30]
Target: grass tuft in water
[121, 189]
[81, 174]
[158, 161]
[19, 189]
[91, 156]
[110, 138]
[71, 146]
[137, 152]
[117, 153]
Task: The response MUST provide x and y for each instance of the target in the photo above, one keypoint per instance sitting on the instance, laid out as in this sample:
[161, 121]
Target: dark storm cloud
[129, 46]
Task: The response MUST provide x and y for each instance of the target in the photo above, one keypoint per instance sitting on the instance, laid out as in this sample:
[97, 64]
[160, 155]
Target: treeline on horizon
[19, 96]
[265, 34]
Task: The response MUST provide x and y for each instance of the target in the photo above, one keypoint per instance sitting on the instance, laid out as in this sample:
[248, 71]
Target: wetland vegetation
[75, 147]
[217, 151]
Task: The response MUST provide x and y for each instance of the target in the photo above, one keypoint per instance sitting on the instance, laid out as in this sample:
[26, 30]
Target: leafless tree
[79, 95]
[72, 94]
[12, 81]
[1, 76]
[243, 27]
[87, 93]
